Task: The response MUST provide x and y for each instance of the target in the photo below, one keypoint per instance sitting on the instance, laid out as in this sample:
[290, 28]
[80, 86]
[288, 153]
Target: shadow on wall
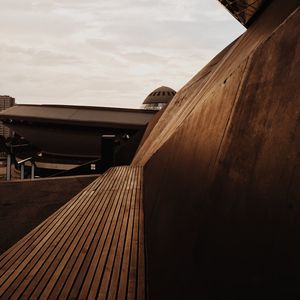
[221, 191]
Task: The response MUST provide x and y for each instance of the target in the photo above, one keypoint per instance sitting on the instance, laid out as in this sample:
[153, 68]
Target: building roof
[79, 115]
[244, 11]
[72, 131]
[162, 94]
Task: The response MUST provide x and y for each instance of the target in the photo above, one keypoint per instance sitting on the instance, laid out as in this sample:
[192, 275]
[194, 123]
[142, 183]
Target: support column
[8, 167]
[32, 170]
[22, 171]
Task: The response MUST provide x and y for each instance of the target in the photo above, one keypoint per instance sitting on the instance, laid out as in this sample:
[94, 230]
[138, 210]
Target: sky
[106, 52]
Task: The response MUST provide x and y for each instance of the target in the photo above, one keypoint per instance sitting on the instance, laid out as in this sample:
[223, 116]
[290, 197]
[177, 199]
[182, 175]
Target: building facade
[5, 102]
[5, 132]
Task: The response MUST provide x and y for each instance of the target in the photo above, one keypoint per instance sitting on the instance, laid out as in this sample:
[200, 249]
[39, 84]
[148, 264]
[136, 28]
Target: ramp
[93, 247]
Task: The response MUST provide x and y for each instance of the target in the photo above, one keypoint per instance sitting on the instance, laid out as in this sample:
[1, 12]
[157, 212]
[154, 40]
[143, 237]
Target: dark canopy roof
[73, 131]
[79, 115]
[244, 10]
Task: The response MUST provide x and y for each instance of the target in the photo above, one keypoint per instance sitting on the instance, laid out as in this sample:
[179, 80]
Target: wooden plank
[14, 266]
[141, 278]
[104, 218]
[109, 264]
[106, 281]
[102, 240]
[123, 279]
[56, 273]
[57, 256]
[27, 240]
[132, 279]
[74, 252]
[114, 276]
[37, 249]
[67, 278]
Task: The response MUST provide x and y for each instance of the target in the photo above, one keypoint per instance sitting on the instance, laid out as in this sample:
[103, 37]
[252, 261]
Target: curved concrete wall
[221, 176]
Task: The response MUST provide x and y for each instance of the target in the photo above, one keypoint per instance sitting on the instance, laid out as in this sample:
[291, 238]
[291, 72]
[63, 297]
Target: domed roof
[163, 94]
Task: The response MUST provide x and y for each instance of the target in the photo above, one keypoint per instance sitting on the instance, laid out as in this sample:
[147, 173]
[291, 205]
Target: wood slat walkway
[91, 248]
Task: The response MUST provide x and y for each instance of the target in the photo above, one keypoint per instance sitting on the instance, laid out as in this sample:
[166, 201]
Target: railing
[92, 167]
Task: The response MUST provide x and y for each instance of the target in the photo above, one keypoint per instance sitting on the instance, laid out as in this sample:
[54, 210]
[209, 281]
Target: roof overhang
[78, 116]
[72, 131]
[245, 11]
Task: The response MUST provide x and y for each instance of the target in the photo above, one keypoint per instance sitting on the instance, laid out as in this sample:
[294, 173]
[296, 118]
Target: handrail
[80, 170]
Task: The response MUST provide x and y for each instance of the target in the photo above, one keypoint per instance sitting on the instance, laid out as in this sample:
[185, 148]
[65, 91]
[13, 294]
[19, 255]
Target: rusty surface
[214, 73]
[221, 179]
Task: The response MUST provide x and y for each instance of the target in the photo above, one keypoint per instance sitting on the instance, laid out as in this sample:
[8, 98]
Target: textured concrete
[221, 177]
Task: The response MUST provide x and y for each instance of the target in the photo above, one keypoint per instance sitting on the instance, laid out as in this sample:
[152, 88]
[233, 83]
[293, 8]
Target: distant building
[62, 138]
[5, 132]
[5, 102]
[159, 98]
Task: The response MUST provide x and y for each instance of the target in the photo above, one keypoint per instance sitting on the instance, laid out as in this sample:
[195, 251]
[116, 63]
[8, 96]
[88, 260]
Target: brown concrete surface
[221, 175]
[213, 74]
[150, 126]
[25, 204]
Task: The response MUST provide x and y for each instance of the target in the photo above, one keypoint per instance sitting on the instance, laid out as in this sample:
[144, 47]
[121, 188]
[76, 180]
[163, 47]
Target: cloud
[109, 53]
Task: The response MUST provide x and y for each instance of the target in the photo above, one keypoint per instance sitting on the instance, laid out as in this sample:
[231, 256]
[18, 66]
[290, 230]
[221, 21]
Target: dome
[162, 95]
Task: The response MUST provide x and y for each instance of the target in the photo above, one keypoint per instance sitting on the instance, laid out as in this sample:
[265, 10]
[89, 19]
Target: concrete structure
[221, 172]
[221, 193]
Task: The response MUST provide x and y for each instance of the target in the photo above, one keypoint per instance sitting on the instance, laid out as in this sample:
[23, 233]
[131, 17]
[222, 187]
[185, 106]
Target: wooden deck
[93, 247]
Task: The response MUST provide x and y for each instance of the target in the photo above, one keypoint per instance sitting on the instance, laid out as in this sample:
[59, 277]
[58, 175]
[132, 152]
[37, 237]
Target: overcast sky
[106, 52]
